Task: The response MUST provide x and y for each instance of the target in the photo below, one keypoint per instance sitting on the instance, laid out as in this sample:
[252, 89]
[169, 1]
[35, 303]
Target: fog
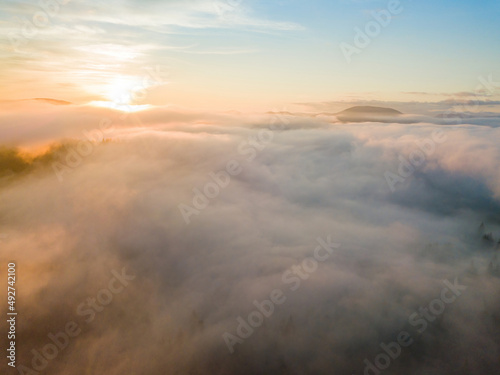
[394, 229]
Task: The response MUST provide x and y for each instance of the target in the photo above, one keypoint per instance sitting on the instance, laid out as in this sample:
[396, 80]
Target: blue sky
[232, 54]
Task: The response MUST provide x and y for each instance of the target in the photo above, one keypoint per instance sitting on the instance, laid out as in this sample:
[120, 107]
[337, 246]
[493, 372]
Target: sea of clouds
[114, 232]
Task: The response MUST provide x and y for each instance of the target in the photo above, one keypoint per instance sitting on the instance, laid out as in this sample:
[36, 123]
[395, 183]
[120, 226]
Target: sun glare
[121, 92]
[123, 89]
[121, 107]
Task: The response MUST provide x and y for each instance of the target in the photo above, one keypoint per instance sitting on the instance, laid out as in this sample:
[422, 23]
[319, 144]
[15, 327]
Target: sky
[243, 54]
[167, 166]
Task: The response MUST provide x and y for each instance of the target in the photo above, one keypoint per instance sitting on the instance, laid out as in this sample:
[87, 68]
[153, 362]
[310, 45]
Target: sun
[123, 89]
[121, 92]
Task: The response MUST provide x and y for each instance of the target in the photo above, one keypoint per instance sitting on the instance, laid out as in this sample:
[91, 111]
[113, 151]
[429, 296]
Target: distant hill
[367, 113]
[371, 110]
[36, 100]
[359, 114]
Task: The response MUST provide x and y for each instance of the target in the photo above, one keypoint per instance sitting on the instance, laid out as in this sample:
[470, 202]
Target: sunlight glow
[122, 89]
[121, 107]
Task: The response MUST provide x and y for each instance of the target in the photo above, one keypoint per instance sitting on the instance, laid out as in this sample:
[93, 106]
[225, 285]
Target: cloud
[479, 92]
[463, 111]
[91, 43]
[119, 207]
